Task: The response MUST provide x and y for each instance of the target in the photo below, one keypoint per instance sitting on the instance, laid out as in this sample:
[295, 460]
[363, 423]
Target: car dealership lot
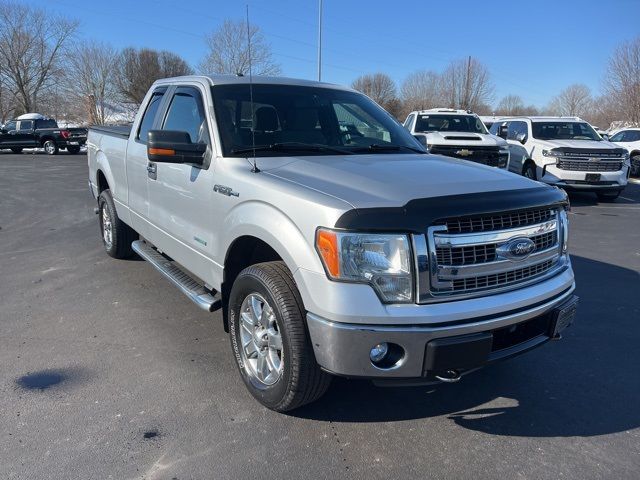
[109, 372]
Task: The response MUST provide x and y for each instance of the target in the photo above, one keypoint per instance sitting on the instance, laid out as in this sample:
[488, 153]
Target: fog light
[378, 352]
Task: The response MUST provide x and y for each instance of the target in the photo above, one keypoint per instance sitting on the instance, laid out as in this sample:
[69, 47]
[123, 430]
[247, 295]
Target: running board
[185, 283]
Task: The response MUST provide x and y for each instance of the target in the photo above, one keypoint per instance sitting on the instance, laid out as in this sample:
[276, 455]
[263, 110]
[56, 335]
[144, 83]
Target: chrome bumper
[343, 349]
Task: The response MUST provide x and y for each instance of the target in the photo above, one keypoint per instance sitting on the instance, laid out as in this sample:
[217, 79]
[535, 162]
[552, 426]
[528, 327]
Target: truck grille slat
[589, 165]
[497, 222]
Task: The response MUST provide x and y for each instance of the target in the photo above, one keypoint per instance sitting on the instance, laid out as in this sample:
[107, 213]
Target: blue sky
[533, 49]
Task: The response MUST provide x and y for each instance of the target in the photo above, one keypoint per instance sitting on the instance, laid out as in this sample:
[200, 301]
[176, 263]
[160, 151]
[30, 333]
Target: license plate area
[564, 316]
[592, 177]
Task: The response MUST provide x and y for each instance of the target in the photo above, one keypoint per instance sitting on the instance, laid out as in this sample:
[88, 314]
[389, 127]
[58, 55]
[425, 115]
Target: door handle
[152, 170]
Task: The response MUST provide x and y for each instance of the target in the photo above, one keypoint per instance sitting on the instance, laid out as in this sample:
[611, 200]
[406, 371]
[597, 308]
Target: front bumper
[343, 349]
[614, 181]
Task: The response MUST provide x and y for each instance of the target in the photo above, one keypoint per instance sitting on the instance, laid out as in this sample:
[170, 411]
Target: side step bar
[187, 285]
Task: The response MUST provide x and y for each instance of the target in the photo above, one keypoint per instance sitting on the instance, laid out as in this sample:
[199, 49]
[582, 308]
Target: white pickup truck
[332, 242]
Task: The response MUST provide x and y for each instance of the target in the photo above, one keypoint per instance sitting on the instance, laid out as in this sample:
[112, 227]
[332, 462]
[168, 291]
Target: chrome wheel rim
[49, 147]
[261, 342]
[107, 227]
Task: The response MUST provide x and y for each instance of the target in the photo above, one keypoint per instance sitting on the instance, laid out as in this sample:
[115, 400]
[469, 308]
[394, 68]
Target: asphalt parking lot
[109, 372]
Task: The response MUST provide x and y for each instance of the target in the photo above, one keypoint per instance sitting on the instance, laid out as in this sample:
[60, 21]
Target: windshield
[449, 123]
[564, 131]
[305, 120]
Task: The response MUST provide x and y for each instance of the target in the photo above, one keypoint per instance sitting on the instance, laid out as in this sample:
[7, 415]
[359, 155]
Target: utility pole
[467, 86]
[319, 40]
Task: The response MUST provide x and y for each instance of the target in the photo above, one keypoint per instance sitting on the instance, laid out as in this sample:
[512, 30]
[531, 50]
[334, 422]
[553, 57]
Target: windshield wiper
[375, 147]
[292, 146]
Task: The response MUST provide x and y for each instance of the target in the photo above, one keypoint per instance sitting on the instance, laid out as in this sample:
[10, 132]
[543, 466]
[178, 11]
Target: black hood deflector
[417, 215]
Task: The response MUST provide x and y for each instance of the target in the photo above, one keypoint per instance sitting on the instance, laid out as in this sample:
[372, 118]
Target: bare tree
[510, 105]
[93, 66]
[575, 100]
[622, 81]
[467, 84]
[32, 43]
[138, 69]
[381, 89]
[422, 90]
[229, 51]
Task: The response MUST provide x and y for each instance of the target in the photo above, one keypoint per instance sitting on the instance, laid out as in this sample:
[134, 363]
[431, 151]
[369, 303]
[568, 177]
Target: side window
[149, 115]
[10, 126]
[495, 127]
[26, 125]
[408, 123]
[186, 114]
[632, 136]
[515, 129]
[617, 137]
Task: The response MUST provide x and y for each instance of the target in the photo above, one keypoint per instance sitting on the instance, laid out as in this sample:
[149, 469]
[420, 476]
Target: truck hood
[389, 180]
[549, 144]
[463, 139]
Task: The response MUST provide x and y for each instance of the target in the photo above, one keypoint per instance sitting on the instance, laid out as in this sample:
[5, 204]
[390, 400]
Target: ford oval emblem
[516, 248]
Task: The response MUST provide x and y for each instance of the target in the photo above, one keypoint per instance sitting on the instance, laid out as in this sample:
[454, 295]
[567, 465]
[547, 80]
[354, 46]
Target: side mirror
[522, 138]
[502, 132]
[171, 146]
[422, 139]
[605, 137]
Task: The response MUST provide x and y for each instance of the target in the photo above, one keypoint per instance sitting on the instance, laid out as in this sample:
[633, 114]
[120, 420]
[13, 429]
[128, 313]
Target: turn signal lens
[161, 151]
[327, 245]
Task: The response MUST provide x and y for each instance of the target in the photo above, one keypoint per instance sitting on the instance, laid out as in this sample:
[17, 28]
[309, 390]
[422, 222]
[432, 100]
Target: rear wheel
[529, 171]
[16, 150]
[73, 149]
[608, 197]
[270, 341]
[117, 236]
[50, 147]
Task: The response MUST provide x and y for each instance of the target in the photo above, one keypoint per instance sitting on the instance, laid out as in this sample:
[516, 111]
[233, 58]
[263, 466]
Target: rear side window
[46, 124]
[26, 125]
[149, 115]
[632, 136]
[186, 114]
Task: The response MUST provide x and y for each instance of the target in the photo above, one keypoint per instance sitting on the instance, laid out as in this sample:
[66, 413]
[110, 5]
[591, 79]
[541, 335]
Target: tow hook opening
[449, 376]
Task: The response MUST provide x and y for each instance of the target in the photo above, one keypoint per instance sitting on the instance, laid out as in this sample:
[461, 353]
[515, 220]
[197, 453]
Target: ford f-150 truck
[36, 131]
[332, 242]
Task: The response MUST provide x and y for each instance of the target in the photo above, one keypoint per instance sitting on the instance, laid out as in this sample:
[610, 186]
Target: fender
[271, 225]
[118, 191]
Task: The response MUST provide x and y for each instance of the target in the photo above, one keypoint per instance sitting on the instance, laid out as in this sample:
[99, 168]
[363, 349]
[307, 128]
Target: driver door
[180, 195]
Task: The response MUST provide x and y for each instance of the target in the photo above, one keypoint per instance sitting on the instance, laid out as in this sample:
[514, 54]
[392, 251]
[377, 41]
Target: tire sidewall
[105, 201]
[55, 147]
[245, 284]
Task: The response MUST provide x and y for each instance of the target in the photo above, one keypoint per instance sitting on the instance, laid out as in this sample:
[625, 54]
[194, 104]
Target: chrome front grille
[464, 257]
[590, 165]
[483, 223]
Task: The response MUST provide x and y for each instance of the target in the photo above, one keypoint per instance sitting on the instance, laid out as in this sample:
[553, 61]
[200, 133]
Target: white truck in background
[458, 134]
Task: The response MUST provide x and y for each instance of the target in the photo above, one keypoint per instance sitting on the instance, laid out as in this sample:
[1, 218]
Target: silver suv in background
[565, 152]
[459, 134]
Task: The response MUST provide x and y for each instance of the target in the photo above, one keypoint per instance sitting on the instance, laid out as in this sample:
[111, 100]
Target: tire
[16, 150]
[635, 160]
[117, 236]
[50, 147]
[529, 171]
[295, 378]
[607, 197]
[73, 149]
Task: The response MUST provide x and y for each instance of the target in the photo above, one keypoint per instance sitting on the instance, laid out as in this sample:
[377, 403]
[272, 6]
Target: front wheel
[270, 341]
[529, 171]
[50, 147]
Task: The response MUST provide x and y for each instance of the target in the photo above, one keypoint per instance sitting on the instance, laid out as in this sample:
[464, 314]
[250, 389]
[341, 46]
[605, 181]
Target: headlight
[381, 260]
[551, 153]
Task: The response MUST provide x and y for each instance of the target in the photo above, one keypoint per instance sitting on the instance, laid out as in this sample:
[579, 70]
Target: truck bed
[115, 131]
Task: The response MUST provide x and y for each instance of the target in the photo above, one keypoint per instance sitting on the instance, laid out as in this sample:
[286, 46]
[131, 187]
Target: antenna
[255, 168]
